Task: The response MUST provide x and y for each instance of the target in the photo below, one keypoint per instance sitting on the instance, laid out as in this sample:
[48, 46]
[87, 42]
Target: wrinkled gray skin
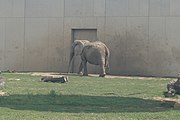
[95, 53]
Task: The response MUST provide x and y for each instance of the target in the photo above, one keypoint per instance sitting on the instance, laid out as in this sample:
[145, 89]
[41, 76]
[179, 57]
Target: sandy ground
[55, 74]
[2, 93]
[167, 99]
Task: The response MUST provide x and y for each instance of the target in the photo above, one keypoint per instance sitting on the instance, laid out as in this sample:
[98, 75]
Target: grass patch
[84, 98]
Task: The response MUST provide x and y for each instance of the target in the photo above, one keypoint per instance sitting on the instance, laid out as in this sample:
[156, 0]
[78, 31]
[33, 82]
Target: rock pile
[173, 86]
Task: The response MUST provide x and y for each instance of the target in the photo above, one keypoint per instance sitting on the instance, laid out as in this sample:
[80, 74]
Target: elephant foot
[85, 74]
[80, 73]
[102, 75]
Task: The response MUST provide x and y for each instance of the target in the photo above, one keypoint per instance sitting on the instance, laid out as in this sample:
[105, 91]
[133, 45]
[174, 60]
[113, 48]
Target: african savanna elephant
[96, 53]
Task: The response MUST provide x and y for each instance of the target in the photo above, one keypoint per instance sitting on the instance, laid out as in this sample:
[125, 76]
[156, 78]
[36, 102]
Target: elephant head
[76, 49]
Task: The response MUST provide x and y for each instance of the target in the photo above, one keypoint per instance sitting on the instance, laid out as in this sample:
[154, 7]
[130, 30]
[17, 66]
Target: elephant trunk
[76, 50]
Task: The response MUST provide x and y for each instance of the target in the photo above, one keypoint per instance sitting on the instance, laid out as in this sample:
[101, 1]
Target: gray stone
[2, 83]
[62, 79]
[173, 86]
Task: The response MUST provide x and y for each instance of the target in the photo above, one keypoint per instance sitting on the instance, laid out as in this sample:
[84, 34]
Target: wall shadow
[80, 103]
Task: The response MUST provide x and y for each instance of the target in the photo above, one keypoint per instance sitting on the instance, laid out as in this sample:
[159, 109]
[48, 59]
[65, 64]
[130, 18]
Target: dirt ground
[55, 74]
[2, 93]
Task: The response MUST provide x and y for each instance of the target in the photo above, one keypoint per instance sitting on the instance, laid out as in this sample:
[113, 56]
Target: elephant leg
[102, 69]
[80, 68]
[85, 68]
[107, 69]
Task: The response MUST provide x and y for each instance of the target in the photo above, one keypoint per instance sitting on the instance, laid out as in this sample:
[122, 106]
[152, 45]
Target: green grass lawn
[84, 98]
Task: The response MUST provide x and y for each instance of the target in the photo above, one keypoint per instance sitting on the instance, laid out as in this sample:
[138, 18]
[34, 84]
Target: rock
[62, 79]
[173, 87]
[2, 83]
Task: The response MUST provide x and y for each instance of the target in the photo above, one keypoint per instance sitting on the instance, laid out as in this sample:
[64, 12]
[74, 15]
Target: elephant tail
[107, 54]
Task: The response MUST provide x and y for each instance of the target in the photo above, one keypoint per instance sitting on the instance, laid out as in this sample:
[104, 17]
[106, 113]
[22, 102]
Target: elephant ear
[78, 47]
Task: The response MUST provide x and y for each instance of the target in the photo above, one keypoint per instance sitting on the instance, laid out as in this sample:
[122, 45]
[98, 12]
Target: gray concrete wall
[143, 35]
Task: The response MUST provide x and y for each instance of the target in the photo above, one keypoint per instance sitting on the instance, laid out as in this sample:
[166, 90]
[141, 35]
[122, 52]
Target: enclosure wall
[143, 35]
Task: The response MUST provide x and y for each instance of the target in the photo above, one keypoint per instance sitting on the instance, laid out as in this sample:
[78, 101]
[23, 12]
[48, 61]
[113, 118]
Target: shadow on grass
[80, 103]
